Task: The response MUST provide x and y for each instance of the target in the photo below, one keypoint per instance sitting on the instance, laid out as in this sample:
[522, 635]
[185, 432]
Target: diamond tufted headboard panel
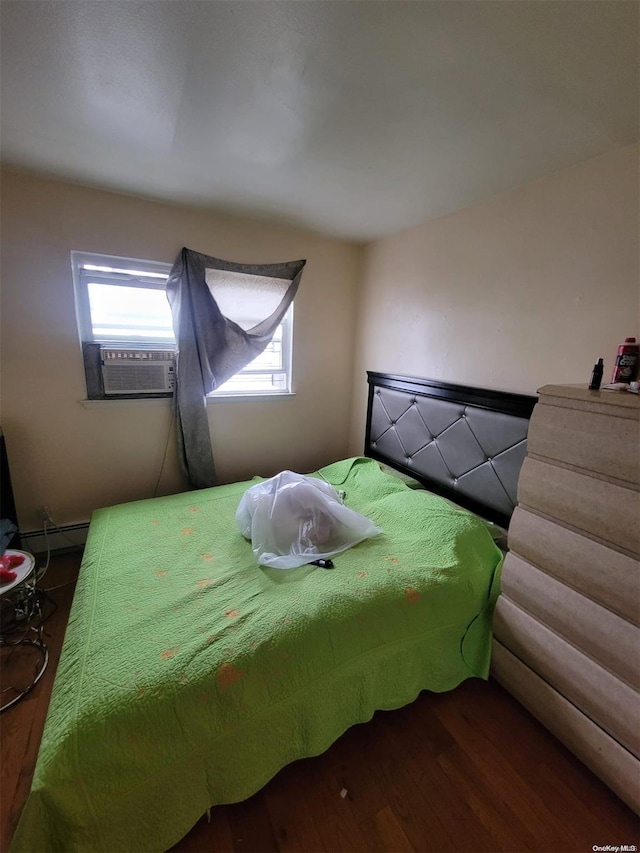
[464, 443]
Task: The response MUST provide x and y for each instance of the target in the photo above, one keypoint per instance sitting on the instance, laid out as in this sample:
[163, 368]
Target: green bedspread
[189, 676]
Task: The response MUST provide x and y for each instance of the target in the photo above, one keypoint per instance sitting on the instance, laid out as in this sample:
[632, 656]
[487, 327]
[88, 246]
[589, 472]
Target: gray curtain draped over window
[213, 347]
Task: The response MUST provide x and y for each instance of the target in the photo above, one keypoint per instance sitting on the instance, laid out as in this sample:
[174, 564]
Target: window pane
[245, 298]
[127, 313]
[253, 383]
[270, 359]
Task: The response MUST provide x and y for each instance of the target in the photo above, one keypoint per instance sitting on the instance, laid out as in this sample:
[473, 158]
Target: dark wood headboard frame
[519, 405]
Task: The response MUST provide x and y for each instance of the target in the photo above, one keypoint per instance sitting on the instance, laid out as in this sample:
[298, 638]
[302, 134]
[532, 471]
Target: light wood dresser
[566, 627]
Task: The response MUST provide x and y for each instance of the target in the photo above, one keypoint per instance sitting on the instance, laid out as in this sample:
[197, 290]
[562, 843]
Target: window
[122, 308]
[122, 302]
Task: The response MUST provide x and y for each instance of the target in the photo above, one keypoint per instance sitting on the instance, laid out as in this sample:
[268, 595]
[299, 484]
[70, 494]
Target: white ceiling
[357, 119]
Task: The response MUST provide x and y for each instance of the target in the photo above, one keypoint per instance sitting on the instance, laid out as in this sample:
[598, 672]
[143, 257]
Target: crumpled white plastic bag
[292, 520]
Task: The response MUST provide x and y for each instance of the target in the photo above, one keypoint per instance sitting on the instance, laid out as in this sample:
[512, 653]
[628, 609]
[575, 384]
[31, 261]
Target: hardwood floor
[466, 771]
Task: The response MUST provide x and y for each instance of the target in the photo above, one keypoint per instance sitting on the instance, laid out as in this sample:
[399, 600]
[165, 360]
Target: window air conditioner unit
[137, 371]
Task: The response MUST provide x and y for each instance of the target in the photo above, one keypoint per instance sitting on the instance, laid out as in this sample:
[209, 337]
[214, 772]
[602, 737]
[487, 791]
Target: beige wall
[528, 288]
[74, 459]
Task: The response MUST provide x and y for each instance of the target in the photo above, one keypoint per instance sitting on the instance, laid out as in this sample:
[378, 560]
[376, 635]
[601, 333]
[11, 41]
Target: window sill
[166, 401]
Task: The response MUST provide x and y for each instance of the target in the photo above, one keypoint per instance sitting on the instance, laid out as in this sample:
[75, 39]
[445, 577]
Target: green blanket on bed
[189, 676]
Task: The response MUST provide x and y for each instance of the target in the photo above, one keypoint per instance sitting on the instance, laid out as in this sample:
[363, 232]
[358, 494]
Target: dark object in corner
[596, 375]
[324, 564]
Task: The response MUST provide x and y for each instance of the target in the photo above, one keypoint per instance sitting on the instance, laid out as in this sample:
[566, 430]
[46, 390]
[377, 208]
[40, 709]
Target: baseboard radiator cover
[59, 539]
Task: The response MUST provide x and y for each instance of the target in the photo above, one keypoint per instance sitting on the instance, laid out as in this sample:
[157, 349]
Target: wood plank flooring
[465, 771]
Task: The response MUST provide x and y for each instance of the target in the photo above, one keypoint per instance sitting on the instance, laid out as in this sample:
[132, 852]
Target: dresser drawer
[603, 510]
[594, 442]
[607, 576]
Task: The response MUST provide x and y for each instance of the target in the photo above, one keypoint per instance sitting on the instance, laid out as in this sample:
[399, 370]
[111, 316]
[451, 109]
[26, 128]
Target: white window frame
[83, 309]
[81, 280]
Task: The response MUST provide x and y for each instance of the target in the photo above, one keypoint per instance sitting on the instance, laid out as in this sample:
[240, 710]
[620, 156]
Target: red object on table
[10, 561]
[7, 575]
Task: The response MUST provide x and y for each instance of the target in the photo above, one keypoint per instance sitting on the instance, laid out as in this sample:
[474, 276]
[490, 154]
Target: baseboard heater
[59, 538]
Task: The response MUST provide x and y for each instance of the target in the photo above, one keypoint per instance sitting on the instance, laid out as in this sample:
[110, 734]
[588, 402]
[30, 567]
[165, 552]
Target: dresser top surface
[616, 401]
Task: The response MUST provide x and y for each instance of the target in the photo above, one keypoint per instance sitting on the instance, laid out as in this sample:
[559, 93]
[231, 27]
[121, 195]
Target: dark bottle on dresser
[596, 375]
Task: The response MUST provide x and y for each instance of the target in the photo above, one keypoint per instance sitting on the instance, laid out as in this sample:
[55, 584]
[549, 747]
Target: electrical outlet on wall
[44, 514]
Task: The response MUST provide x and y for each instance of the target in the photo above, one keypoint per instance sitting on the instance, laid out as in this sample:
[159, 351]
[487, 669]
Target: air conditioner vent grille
[128, 371]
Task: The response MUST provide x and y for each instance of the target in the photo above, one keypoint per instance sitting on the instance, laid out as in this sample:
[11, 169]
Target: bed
[189, 676]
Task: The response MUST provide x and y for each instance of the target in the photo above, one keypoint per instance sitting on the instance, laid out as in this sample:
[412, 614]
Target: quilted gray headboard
[464, 443]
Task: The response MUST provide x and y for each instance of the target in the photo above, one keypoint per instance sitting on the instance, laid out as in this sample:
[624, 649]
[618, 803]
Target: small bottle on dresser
[596, 375]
